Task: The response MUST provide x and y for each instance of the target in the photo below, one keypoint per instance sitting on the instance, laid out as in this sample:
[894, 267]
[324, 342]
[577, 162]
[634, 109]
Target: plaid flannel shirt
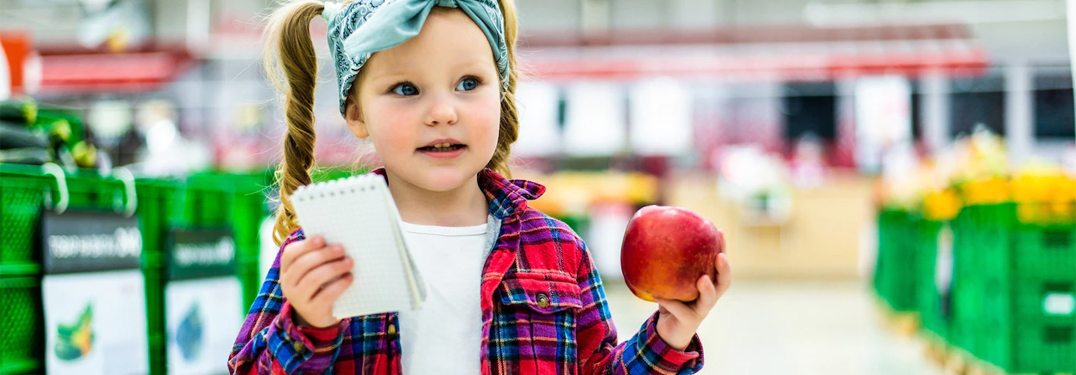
[543, 312]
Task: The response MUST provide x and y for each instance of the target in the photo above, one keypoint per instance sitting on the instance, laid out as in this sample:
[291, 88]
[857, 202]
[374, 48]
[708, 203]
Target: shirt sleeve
[644, 353]
[270, 342]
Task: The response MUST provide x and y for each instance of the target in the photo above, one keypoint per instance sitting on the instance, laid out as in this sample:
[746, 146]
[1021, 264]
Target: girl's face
[432, 104]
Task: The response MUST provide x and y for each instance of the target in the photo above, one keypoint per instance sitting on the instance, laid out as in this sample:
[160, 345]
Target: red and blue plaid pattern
[543, 312]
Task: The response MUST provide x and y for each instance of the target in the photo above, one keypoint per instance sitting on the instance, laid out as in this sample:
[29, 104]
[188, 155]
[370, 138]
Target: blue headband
[363, 27]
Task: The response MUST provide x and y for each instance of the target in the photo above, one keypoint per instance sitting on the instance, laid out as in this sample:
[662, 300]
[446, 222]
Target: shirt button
[392, 329]
[543, 300]
[299, 347]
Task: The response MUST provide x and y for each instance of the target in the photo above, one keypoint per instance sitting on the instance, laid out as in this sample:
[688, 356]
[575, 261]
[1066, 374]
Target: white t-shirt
[445, 336]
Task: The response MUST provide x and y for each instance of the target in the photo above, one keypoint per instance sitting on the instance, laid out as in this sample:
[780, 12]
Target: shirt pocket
[541, 310]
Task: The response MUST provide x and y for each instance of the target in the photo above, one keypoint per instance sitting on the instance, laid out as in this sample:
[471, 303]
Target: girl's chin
[442, 178]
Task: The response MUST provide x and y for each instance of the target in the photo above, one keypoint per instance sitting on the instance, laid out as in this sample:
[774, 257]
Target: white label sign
[95, 323]
[202, 317]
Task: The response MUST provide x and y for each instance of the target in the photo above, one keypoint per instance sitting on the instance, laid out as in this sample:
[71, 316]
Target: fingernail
[337, 249]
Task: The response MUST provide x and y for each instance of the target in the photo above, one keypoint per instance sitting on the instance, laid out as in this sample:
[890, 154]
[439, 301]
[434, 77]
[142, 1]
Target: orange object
[941, 206]
[17, 47]
[987, 191]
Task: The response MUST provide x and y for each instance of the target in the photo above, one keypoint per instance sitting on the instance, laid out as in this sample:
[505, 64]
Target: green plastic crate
[895, 271]
[933, 306]
[990, 237]
[1004, 269]
[1003, 246]
[26, 191]
[21, 325]
[203, 201]
[968, 317]
[1045, 251]
[980, 251]
[23, 197]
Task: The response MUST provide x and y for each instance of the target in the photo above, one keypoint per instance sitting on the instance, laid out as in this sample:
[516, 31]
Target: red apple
[666, 250]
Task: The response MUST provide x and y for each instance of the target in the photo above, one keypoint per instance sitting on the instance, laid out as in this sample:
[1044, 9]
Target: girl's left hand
[678, 321]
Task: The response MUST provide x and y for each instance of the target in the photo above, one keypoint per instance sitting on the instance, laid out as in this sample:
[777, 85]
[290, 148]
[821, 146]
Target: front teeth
[442, 145]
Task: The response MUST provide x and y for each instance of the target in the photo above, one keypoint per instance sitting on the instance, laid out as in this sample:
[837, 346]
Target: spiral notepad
[358, 212]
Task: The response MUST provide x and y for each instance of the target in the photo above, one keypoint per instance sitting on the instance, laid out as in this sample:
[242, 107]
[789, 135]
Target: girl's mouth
[443, 147]
[443, 150]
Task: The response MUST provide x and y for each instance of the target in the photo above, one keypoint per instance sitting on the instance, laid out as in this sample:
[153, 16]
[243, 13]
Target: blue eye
[468, 84]
[405, 89]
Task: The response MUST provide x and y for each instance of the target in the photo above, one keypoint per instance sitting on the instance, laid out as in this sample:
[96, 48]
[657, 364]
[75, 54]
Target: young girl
[511, 290]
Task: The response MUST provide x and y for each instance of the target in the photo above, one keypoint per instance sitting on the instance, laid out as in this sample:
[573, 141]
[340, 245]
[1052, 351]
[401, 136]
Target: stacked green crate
[934, 239]
[1015, 284]
[205, 201]
[25, 191]
[21, 324]
[895, 271]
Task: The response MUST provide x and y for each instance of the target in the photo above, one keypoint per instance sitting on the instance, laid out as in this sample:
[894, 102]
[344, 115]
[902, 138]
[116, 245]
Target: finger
[331, 291]
[296, 249]
[678, 309]
[311, 259]
[724, 274]
[707, 296]
[324, 273]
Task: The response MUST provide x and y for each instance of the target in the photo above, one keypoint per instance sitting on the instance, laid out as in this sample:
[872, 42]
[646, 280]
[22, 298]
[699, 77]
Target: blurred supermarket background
[896, 178]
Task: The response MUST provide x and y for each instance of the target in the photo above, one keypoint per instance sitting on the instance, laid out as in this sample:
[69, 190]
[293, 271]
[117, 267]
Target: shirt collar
[506, 197]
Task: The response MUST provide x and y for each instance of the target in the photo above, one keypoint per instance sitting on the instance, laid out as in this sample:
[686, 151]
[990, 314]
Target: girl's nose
[441, 112]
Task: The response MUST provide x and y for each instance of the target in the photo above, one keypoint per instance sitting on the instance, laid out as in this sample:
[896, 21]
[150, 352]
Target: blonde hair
[291, 65]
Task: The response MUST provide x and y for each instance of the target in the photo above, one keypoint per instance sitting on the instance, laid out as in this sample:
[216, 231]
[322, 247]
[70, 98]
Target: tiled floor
[790, 327]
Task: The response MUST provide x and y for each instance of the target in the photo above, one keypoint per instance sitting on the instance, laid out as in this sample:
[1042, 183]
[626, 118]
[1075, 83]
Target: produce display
[983, 250]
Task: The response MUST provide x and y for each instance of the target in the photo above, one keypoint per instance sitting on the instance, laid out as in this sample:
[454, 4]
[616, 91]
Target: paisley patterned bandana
[363, 27]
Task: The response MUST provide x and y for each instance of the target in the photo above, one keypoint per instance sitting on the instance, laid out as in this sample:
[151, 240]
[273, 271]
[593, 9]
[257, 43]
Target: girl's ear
[354, 119]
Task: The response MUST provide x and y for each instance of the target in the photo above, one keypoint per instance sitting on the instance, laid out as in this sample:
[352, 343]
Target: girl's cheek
[396, 118]
[490, 111]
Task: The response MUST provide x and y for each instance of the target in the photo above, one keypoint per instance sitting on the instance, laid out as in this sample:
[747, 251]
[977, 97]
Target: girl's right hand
[312, 277]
